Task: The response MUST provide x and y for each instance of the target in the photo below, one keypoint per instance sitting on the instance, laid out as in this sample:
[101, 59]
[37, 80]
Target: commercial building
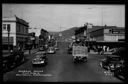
[43, 37]
[106, 33]
[18, 31]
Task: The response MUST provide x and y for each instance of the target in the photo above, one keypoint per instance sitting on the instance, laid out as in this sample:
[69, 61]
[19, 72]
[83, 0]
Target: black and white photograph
[63, 43]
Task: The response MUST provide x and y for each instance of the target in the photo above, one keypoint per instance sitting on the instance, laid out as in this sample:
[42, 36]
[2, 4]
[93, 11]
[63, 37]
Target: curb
[30, 53]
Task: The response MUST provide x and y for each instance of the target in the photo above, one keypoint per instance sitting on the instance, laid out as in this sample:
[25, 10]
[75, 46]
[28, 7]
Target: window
[19, 28]
[23, 29]
[110, 31]
[4, 27]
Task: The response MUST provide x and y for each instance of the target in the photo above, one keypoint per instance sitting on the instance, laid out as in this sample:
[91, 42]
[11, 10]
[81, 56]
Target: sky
[59, 17]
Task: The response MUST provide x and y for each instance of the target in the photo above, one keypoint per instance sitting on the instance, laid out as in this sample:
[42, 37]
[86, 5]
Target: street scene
[43, 50]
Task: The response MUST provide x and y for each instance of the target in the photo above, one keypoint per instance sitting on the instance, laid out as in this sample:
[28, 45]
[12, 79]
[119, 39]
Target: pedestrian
[107, 49]
[104, 48]
[100, 50]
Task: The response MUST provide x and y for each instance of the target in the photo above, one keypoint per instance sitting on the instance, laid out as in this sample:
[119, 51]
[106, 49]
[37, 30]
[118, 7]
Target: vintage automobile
[120, 70]
[12, 60]
[51, 50]
[110, 62]
[120, 52]
[39, 60]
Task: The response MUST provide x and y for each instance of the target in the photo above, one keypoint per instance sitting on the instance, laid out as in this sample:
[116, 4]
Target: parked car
[120, 52]
[6, 64]
[12, 60]
[39, 60]
[110, 62]
[51, 50]
[111, 51]
[120, 71]
[19, 56]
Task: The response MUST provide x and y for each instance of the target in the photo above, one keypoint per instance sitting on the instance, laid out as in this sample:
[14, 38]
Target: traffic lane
[84, 72]
[55, 64]
[87, 72]
[65, 70]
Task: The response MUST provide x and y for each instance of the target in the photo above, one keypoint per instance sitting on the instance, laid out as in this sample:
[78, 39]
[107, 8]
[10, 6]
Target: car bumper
[41, 64]
[51, 52]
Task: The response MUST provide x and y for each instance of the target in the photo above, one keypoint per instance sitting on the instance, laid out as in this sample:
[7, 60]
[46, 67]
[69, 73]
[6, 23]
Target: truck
[79, 53]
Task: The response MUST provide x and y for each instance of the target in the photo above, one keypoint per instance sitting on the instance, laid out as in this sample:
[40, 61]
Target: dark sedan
[121, 71]
[110, 62]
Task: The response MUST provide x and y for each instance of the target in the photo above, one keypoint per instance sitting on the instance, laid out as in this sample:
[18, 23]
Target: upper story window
[19, 28]
[23, 29]
[6, 27]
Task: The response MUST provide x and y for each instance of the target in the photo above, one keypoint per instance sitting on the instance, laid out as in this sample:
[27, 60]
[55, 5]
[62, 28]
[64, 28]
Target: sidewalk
[105, 53]
[26, 52]
[92, 52]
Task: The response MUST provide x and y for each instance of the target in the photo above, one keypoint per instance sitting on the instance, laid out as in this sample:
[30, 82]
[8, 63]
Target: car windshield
[37, 59]
[51, 48]
[114, 58]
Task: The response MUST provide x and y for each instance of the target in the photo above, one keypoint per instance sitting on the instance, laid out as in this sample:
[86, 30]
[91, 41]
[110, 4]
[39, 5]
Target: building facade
[106, 33]
[43, 37]
[18, 31]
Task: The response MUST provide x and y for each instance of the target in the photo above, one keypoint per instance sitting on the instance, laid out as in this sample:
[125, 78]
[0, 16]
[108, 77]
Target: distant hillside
[68, 33]
[53, 33]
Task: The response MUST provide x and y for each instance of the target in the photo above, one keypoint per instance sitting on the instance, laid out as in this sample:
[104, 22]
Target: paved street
[61, 68]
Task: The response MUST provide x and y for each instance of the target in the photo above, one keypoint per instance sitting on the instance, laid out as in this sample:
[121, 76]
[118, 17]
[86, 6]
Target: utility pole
[8, 29]
[102, 16]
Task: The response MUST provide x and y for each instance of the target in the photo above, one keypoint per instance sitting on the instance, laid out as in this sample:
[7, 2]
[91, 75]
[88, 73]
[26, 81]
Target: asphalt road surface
[60, 68]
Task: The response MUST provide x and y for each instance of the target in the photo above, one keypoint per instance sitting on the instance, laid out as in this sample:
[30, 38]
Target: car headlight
[75, 57]
[118, 65]
[112, 66]
[42, 62]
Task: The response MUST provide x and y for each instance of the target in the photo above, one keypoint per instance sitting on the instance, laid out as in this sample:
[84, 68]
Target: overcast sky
[52, 16]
